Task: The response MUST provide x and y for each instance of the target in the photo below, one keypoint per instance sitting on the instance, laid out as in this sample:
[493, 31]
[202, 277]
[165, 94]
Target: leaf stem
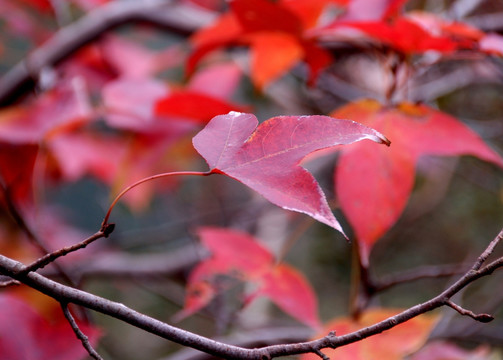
[139, 182]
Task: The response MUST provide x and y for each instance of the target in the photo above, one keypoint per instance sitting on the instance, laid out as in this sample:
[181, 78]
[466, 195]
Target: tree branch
[80, 335]
[479, 317]
[181, 19]
[48, 258]
[119, 311]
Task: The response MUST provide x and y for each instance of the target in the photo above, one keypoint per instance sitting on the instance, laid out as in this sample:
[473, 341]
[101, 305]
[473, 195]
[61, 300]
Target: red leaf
[393, 344]
[292, 293]
[274, 32]
[128, 58]
[240, 256]
[273, 54]
[405, 34]
[236, 250]
[235, 254]
[219, 81]
[373, 185]
[437, 25]
[193, 105]
[266, 158]
[25, 334]
[56, 110]
[316, 59]
[16, 170]
[222, 31]
[80, 154]
[264, 15]
[130, 103]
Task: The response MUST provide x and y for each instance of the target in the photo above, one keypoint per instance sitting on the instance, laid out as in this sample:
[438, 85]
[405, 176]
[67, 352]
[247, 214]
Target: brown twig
[80, 335]
[119, 311]
[49, 258]
[166, 14]
[479, 317]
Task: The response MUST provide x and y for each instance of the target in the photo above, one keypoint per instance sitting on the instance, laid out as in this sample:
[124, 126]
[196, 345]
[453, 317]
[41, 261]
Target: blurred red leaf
[235, 254]
[133, 60]
[236, 250]
[392, 344]
[273, 53]
[25, 334]
[400, 33]
[55, 111]
[291, 292]
[16, 170]
[264, 15]
[240, 256]
[219, 81]
[373, 185]
[39, 5]
[81, 153]
[193, 105]
[438, 25]
[23, 128]
[266, 158]
[271, 29]
[130, 103]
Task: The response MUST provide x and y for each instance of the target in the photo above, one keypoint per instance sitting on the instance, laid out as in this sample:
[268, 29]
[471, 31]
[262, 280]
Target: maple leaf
[16, 170]
[266, 158]
[401, 33]
[274, 31]
[372, 185]
[26, 334]
[412, 33]
[23, 128]
[392, 344]
[290, 290]
[240, 256]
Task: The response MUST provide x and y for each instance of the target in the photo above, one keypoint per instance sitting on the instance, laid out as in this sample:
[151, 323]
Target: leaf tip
[384, 140]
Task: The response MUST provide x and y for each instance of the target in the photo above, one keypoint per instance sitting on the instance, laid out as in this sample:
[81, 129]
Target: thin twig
[488, 251]
[80, 335]
[479, 317]
[49, 258]
[321, 355]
